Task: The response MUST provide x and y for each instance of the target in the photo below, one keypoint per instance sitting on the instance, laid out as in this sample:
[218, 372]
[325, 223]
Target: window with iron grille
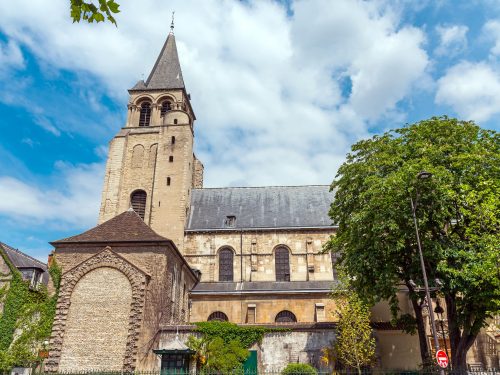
[226, 265]
[285, 316]
[138, 202]
[282, 264]
[218, 315]
[165, 107]
[145, 115]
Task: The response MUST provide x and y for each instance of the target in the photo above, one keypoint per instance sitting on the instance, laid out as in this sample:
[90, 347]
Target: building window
[138, 202]
[219, 316]
[168, 181]
[171, 159]
[285, 316]
[230, 222]
[165, 107]
[282, 264]
[226, 265]
[173, 140]
[251, 312]
[175, 121]
[145, 116]
[319, 312]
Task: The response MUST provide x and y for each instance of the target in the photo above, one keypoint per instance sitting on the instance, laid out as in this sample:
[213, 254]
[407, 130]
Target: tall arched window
[165, 107]
[138, 202]
[145, 114]
[282, 264]
[226, 265]
[285, 316]
[218, 315]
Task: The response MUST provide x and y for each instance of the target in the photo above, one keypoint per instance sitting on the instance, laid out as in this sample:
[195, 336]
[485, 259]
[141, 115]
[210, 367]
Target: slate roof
[166, 73]
[20, 259]
[261, 207]
[262, 287]
[126, 227]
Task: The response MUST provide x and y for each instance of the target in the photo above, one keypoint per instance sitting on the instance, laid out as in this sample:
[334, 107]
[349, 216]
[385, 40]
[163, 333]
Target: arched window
[285, 316]
[282, 264]
[165, 107]
[145, 114]
[138, 202]
[218, 315]
[226, 265]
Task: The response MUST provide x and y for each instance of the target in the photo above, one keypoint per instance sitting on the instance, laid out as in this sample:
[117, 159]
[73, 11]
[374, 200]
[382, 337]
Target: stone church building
[168, 252]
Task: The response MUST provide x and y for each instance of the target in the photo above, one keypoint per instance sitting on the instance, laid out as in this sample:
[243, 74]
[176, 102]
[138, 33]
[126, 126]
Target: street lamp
[423, 176]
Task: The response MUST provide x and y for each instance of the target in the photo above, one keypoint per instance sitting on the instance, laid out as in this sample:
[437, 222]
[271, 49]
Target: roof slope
[126, 227]
[261, 207]
[166, 73]
[20, 259]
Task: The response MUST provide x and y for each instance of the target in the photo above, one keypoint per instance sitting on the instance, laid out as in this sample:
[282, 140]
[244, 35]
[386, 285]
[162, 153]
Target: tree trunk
[422, 336]
[461, 340]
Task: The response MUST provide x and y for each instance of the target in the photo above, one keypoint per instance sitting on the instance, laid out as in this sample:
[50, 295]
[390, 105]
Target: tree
[90, 12]
[354, 345]
[458, 212]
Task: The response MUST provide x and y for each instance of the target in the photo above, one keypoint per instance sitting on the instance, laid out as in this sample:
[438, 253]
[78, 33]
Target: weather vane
[172, 23]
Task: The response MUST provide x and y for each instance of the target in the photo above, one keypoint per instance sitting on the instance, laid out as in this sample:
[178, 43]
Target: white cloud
[492, 31]
[11, 57]
[471, 89]
[452, 39]
[265, 85]
[74, 201]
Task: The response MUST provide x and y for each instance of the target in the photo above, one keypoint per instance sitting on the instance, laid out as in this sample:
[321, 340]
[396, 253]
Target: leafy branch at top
[90, 12]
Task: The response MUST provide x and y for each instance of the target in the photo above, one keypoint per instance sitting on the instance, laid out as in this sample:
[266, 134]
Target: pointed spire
[166, 73]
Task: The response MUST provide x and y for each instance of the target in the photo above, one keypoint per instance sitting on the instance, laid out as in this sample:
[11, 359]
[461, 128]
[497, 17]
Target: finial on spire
[172, 24]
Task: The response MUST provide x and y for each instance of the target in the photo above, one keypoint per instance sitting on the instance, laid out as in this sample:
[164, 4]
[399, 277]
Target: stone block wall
[160, 298]
[254, 253]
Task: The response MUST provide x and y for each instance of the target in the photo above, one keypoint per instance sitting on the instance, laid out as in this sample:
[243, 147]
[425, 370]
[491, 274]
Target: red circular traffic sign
[442, 358]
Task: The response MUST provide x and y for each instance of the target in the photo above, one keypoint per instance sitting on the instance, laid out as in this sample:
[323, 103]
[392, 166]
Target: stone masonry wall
[306, 261]
[165, 296]
[97, 323]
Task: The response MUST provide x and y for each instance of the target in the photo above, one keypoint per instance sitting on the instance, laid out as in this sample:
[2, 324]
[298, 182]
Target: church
[168, 252]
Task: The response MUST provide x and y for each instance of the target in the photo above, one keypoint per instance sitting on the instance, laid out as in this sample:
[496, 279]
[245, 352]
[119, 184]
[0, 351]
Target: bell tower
[151, 166]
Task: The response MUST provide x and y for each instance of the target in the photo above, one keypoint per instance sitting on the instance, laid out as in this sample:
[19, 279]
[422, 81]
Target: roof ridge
[23, 254]
[259, 187]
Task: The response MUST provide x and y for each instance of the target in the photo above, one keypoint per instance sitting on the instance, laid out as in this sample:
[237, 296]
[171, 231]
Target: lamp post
[423, 176]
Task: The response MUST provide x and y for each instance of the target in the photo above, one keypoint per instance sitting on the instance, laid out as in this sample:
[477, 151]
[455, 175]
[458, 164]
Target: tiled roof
[126, 227]
[166, 73]
[261, 207]
[20, 259]
[262, 286]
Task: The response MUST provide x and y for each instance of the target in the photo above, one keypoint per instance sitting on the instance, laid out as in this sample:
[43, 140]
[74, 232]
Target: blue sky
[280, 89]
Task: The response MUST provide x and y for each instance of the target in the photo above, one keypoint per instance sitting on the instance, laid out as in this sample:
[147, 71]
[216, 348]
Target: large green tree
[458, 211]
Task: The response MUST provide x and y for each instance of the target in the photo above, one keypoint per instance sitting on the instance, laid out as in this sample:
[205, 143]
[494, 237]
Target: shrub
[299, 369]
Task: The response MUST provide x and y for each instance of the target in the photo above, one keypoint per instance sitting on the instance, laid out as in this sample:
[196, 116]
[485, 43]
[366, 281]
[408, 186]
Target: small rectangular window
[251, 310]
[173, 140]
[170, 158]
[230, 222]
[168, 181]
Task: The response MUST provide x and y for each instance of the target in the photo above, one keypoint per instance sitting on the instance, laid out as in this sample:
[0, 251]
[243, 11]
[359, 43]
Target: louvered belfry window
[282, 264]
[145, 116]
[218, 315]
[225, 265]
[285, 316]
[138, 202]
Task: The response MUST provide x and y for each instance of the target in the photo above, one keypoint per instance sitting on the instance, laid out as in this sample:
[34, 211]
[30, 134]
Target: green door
[250, 364]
